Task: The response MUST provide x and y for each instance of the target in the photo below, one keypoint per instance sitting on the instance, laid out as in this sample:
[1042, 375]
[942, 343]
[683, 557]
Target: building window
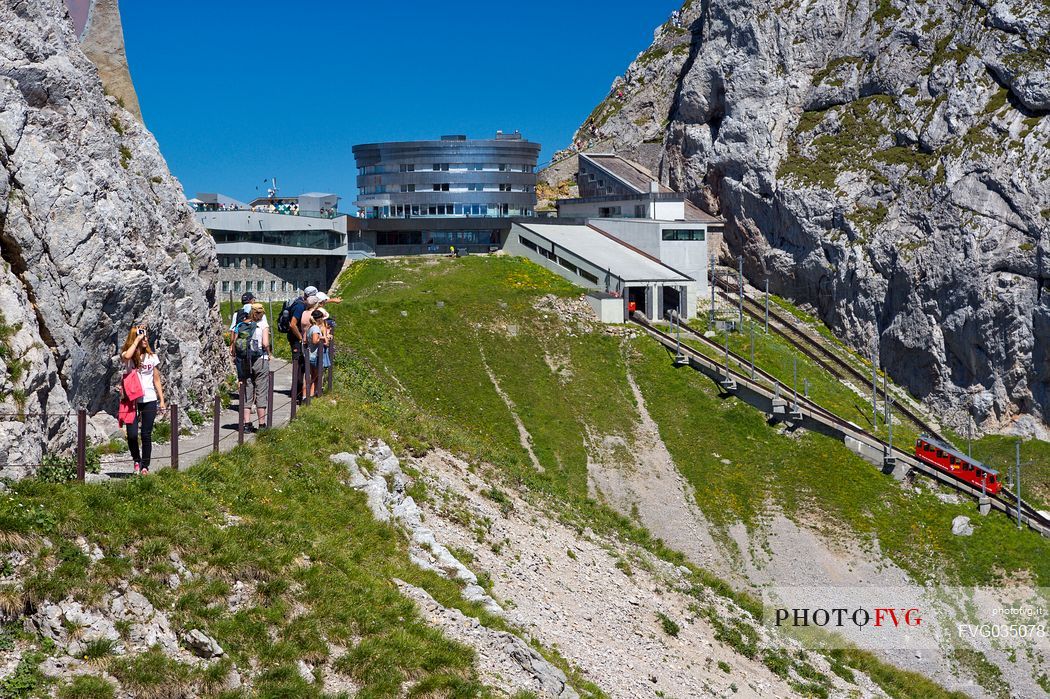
[284, 286]
[682, 234]
[504, 188]
[295, 263]
[588, 276]
[503, 167]
[407, 167]
[408, 188]
[273, 286]
[440, 167]
[226, 286]
[527, 243]
[260, 286]
[237, 285]
[443, 187]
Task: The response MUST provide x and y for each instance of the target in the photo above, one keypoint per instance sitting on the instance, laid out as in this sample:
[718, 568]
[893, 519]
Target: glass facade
[447, 178]
[315, 240]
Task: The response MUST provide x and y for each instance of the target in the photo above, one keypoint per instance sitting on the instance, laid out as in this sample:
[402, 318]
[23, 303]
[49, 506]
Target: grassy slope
[292, 504]
[440, 366]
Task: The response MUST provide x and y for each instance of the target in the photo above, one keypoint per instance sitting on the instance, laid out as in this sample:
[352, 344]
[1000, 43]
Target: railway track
[1004, 501]
[831, 362]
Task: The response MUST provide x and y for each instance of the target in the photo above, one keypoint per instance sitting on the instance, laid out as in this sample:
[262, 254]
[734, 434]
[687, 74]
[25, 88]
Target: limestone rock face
[95, 234]
[103, 43]
[885, 163]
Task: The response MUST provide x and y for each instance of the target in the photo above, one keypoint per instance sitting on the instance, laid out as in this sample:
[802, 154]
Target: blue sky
[236, 92]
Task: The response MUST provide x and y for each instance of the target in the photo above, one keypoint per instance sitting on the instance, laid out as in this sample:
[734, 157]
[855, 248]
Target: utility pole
[794, 377]
[889, 424]
[874, 392]
[740, 289]
[886, 412]
[1017, 487]
[805, 387]
[752, 351]
[969, 438]
[714, 278]
[767, 305]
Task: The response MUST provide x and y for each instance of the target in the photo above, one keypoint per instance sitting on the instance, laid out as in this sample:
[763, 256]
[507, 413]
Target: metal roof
[606, 252]
[628, 172]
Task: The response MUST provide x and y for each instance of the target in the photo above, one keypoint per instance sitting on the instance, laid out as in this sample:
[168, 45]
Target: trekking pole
[215, 410]
[174, 436]
[81, 443]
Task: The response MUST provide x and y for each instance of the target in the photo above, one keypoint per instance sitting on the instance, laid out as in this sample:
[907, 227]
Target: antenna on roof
[271, 191]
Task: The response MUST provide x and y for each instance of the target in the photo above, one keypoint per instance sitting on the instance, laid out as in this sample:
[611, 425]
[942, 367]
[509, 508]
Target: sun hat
[310, 291]
[311, 300]
[322, 296]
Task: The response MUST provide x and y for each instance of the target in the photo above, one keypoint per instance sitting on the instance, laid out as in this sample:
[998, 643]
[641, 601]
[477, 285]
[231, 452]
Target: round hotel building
[425, 196]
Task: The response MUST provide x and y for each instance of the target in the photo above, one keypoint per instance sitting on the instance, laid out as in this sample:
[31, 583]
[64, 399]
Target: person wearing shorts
[257, 376]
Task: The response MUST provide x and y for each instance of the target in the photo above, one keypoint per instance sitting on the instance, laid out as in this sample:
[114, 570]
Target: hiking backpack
[244, 345]
[284, 321]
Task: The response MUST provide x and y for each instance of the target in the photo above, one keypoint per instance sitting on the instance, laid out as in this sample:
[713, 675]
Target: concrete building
[276, 246]
[588, 256]
[614, 187]
[426, 196]
[681, 245]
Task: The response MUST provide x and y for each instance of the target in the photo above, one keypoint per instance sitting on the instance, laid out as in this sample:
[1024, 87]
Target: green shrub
[25, 680]
[55, 468]
[87, 687]
[162, 432]
[195, 417]
[670, 627]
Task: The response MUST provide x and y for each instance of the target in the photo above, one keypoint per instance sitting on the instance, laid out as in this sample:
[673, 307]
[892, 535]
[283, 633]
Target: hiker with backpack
[142, 390]
[290, 323]
[247, 299]
[250, 348]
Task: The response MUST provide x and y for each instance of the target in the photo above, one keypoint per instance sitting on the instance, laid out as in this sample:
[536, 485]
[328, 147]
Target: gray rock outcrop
[95, 234]
[103, 42]
[885, 163]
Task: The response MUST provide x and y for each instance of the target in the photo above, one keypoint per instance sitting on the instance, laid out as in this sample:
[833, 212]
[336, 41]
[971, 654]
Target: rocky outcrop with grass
[884, 162]
[95, 235]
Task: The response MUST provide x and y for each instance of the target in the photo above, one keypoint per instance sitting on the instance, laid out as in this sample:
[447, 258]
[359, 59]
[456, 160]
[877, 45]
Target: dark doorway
[636, 296]
[672, 299]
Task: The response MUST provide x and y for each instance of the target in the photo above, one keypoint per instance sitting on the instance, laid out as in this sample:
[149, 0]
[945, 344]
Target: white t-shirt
[257, 338]
[263, 323]
[149, 391]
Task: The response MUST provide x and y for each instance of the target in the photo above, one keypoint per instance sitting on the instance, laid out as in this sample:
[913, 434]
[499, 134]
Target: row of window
[446, 167]
[415, 210]
[260, 287]
[567, 264]
[448, 187]
[437, 237]
[260, 262]
[317, 240]
[682, 234]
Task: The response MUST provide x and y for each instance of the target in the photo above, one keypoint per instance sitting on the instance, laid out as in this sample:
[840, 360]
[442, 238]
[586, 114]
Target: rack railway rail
[823, 357]
[767, 386]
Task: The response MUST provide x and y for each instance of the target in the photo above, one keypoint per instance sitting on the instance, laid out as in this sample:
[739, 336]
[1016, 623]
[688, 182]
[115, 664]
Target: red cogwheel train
[953, 462]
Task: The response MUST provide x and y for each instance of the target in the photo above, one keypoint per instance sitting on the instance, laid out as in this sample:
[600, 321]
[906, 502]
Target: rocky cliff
[885, 162]
[103, 42]
[95, 234]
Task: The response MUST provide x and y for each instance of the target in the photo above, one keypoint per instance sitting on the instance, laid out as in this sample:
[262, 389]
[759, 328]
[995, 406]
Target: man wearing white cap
[295, 330]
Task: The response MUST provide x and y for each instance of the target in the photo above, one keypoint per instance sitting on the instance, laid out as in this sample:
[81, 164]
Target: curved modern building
[425, 196]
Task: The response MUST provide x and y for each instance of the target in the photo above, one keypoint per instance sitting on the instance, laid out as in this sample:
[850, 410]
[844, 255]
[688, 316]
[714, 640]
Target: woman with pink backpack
[143, 392]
